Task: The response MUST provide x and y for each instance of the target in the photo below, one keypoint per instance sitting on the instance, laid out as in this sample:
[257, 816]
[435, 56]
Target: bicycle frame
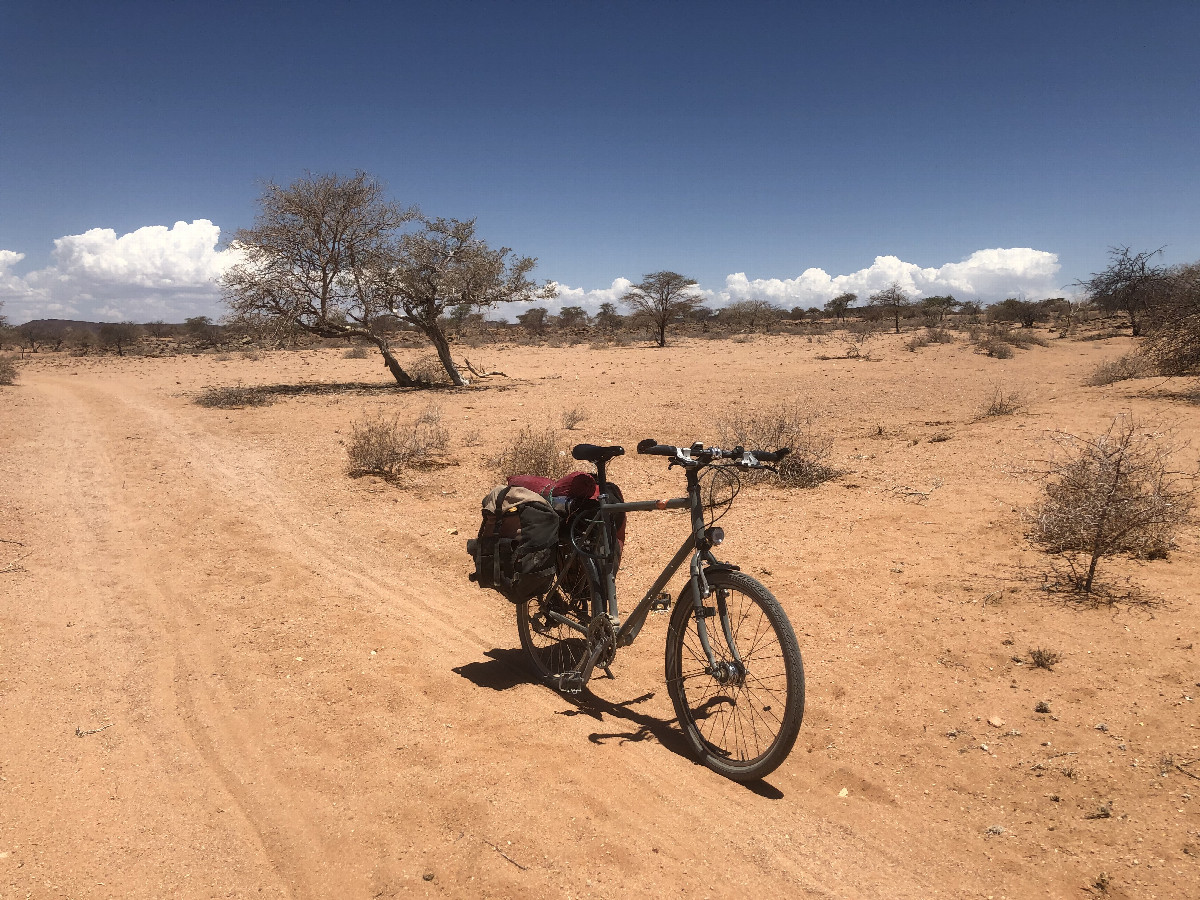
[697, 545]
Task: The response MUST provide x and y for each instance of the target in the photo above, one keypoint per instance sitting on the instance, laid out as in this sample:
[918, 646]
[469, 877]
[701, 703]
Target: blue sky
[609, 140]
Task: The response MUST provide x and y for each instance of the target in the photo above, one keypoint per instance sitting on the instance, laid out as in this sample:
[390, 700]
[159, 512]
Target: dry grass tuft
[532, 452]
[356, 353]
[572, 417]
[1002, 402]
[234, 397]
[428, 369]
[1044, 659]
[8, 370]
[808, 463]
[385, 447]
[1130, 365]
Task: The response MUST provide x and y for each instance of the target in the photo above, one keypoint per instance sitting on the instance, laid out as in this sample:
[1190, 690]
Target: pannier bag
[516, 549]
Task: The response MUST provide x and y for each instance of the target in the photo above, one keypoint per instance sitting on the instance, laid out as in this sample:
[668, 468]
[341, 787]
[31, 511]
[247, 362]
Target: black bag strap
[496, 528]
[499, 523]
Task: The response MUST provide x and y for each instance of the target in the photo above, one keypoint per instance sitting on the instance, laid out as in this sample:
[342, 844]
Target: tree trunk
[662, 334]
[897, 312]
[443, 351]
[1087, 584]
[393, 366]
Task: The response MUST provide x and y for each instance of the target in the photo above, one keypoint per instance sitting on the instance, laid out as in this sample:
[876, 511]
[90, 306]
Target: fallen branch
[915, 495]
[1188, 762]
[506, 856]
[7, 541]
[79, 732]
[481, 374]
[15, 565]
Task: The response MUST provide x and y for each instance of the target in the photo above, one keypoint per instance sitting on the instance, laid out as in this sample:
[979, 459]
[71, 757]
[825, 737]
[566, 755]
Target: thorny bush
[384, 446]
[808, 463]
[1111, 493]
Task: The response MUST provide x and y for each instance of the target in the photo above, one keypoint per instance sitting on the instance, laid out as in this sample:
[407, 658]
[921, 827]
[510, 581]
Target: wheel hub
[729, 673]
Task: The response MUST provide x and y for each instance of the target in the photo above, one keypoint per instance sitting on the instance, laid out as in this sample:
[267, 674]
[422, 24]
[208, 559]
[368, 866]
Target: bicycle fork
[724, 671]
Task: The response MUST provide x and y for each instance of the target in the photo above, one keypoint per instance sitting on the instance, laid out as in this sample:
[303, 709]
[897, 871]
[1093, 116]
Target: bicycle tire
[555, 649]
[737, 729]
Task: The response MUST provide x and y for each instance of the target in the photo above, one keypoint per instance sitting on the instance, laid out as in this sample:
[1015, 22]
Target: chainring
[601, 632]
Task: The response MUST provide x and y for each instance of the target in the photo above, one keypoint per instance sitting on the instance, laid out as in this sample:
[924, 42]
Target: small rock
[995, 829]
[983, 747]
[844, 792]
[996, 721]
[452, 531]
[1102, 727]
[428, 876]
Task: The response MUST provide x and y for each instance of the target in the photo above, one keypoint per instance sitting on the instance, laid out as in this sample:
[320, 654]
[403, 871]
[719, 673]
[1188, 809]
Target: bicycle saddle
[595, 453]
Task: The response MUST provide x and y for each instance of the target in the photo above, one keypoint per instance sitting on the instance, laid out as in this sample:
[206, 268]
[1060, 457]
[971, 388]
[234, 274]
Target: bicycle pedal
[661, 603]
[570, 682]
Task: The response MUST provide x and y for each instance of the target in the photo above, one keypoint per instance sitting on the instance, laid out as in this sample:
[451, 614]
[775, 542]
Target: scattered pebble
[996, 721]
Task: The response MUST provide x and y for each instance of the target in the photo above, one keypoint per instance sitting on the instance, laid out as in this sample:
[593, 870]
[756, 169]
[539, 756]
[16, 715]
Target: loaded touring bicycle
[733, 666]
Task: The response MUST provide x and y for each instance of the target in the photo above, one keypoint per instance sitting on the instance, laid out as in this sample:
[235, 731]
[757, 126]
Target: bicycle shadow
[508, 668]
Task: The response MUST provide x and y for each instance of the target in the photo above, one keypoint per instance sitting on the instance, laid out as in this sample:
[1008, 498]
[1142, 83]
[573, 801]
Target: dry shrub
[916, 342]
[998, 341]
[235, 397]
[8, 370]
[428, 369]
[995, 348]
[1043, 659]
[1130, 365]
[572, 417]
[1002, 402]
[939, 335]
[808, 463]
[532, 452]
[384, 446]
[356, 353]
[1111, 493]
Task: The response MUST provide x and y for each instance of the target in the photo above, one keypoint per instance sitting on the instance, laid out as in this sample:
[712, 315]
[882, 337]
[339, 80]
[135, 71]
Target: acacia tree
[939, 306]
[662, 298]
[840, 304]
[311, 258]
[893, 301]
[119, 336]
[1130, 284]
[444, 268]
[327, 255]
[607, 318]
[572, 317]
[1172, 339]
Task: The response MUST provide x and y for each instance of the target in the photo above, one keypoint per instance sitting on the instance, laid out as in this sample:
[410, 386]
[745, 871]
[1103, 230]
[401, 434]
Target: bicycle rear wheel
[742, 715]
[555, 648]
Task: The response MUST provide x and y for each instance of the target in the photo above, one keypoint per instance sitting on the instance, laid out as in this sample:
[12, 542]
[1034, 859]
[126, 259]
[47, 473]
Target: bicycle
[737, 689]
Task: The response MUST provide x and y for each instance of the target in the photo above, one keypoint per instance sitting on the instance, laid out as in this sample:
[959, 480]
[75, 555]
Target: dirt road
[228, 671]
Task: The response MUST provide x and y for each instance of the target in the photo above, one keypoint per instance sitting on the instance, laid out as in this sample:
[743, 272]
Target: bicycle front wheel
[740, 715]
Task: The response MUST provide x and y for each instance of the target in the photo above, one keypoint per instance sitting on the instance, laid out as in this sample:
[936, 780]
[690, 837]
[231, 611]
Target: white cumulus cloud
[172, 273]
[152, 273]
[986, 275]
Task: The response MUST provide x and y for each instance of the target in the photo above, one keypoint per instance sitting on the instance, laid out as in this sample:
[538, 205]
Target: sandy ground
[229, 670]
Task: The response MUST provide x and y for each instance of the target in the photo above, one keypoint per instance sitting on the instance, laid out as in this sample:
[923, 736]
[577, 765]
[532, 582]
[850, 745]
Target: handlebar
[698, 454]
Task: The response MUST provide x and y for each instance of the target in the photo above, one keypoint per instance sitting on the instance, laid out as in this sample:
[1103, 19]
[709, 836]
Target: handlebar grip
[768, 457]
[651, 447]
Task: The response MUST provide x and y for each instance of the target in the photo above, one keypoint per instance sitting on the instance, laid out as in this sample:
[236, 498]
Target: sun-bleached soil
[229, 670]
